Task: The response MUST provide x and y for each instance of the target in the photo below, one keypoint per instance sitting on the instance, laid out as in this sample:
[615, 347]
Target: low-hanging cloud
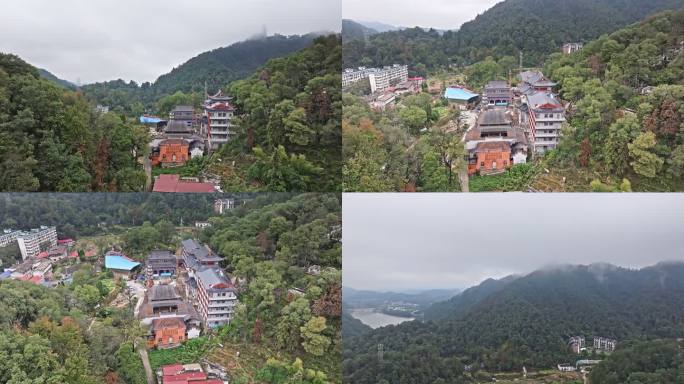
[141, 40]
[440, 14]
[421, 241]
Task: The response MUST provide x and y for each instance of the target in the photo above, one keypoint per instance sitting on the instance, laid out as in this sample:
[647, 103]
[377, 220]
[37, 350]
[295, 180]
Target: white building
[379, 78]
[604, 344]
[566, 368]
[222, 206]
[8, 237]
[216, 296]
[569, 48]
[217, 120]
[31, 241]
[546, 117]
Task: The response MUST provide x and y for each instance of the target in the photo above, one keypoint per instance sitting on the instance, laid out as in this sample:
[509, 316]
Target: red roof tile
[42, 255]
[172, 183]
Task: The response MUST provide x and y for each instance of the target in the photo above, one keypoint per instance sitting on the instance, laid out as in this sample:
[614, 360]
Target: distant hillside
[217, 68]
[370, 299]
[223, 65]
[49, 76]
[535, 27]
[352, 30]
[378, 26]
[460, 304]
[527, 323]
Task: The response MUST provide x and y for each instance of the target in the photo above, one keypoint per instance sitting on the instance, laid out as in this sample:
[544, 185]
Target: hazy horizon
[440, 14]
[141, 40]
[401, 242]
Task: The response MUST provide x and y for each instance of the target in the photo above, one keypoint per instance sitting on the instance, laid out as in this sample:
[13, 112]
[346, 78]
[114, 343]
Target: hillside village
[183, 299]
[503, 124]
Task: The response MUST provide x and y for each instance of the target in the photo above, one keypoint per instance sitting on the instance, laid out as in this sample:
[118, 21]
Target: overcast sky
[143, 39]
[404, 242]
[439, 14]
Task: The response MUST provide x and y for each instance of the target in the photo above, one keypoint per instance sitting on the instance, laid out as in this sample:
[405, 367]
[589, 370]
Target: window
[482, 164]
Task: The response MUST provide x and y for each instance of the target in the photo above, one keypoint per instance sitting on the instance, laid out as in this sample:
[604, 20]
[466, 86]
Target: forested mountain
[370, 299]
[352, 30]
[269, 244]
[536, 27]
[81, 214]
[526, 323]
[626, 114]
[289, 132]
[51, 139]
[216, 68]
[49, 76]
[461, 304]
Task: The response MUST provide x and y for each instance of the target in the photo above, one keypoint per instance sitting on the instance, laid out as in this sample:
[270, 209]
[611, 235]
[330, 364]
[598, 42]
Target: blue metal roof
[459, 94]
[5, 275]
[150, 120]
[120, 262]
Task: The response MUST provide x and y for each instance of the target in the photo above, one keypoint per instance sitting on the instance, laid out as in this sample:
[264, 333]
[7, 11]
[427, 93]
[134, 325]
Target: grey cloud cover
[420, 241]
[143, 39]
[440, 14]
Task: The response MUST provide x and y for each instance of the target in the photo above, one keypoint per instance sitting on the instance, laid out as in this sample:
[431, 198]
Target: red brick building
[167, 333]
[172, 152]
[491, 157]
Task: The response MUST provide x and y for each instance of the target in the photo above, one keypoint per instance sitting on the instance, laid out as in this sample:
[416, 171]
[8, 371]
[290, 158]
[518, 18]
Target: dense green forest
[654, 361]
[410, 148]
[58, 336]
[77, 215]
[269, 249]
[52, 140]
[535, 27]
[525, 323]
[352, 30]
[626, 118]
[215, 68]
[288, 137]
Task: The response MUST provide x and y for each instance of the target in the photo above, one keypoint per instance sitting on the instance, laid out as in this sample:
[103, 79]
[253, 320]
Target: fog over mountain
[425, 241]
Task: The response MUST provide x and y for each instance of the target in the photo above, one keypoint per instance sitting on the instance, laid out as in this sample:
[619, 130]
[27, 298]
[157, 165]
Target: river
[374, 319]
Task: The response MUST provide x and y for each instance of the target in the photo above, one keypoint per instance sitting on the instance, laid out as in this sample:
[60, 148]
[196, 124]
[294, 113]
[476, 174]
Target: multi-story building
[8, 236]
[222, 206]
[161, 264]
[30, 242]
[196, 256]
[184, 114]
[535, 80]
[216, 297]
[546, 116]
[569, 48]
[498, 93]
[386, 77]
[216, 125]
[380, 79]
[577, 344]
[604, 344]
[218, 117]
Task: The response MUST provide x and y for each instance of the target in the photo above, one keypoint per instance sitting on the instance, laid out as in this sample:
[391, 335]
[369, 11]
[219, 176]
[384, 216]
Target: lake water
[374, 319]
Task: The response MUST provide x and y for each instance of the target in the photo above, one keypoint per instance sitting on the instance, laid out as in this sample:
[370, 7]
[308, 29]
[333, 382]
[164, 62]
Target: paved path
[146, 363]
